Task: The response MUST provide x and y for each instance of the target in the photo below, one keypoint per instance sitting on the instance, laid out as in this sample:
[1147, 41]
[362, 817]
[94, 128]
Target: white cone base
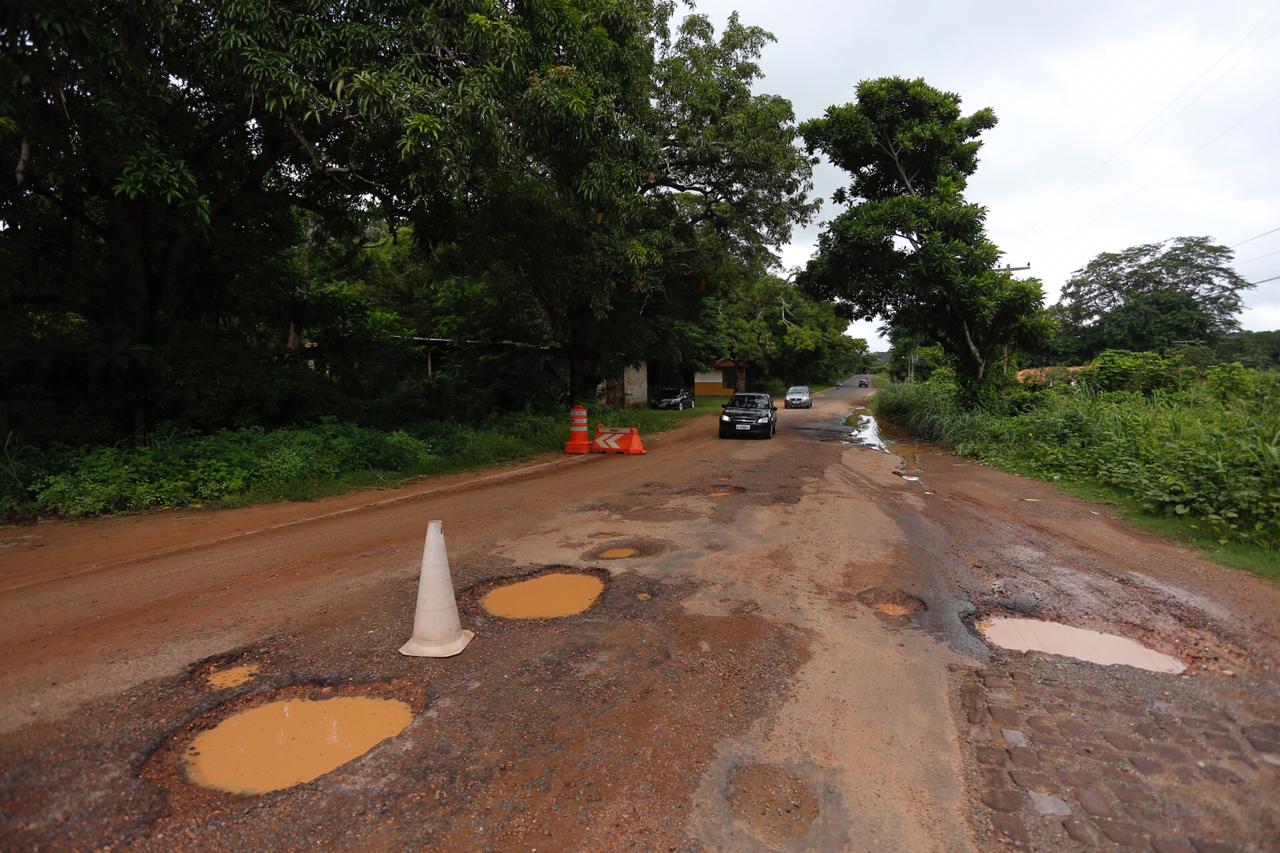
[439, 649]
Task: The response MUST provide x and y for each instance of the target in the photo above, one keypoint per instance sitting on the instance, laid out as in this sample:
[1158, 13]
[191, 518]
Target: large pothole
[268, 741]
[289, 742]
[1026, 635]
[548, 595]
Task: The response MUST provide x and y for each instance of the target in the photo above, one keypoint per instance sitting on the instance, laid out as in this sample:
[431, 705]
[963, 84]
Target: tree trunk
[132, 308]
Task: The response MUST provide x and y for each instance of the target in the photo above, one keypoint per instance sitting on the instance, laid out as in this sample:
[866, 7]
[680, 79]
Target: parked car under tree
[675, 398]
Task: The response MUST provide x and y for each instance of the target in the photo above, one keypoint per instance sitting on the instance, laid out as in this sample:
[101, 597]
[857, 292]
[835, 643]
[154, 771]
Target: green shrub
[1122, 370]
[1207, 453]
[239, 466]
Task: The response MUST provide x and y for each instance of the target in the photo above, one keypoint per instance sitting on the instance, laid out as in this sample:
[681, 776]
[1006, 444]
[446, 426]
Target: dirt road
[788, 661]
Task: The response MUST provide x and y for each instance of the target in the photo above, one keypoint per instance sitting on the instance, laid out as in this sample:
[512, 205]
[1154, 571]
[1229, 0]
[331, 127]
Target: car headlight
[724, 418]
[763, 420]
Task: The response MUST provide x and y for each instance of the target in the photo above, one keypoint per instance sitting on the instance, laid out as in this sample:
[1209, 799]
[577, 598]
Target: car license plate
[744, 426]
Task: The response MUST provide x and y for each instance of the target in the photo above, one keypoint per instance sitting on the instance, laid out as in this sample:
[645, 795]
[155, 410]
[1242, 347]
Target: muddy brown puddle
[232, 676]
[282, 744]
[1023, 635]
[618, 553]
[545, 597]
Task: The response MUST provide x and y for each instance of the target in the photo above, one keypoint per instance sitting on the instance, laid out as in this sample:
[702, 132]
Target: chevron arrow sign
[609, 441]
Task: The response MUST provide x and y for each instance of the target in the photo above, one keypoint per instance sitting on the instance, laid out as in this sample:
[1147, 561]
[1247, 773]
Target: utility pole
[1007, 268]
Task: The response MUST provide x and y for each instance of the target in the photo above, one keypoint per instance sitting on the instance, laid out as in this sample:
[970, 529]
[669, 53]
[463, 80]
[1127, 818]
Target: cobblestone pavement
[1071, 756]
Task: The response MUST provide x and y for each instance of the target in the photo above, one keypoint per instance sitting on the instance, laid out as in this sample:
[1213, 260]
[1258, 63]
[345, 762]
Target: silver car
[799, 397]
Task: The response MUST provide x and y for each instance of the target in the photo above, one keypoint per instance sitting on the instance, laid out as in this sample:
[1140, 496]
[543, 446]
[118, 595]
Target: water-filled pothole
[232, 676]
[891, 602]
[1024, 635]
[617, 553]
[289, 742]
[544, 597]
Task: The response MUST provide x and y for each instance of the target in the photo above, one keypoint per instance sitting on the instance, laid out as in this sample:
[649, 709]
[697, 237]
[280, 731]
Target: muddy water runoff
[1023, 635]
[286, 743]
[545, 597]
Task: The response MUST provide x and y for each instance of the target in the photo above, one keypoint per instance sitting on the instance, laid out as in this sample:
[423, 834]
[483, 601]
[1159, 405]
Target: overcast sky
[1062, 174]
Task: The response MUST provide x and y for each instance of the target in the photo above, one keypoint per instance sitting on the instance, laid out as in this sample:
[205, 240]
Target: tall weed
[1209, 452]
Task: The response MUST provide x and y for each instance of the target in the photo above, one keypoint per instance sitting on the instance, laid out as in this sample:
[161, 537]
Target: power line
[1169, 169]
[1255, 237]
[1259, 257]
[1265, 280]
[1064, 206]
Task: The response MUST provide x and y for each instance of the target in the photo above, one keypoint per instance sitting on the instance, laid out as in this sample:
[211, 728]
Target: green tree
[782, 334]
[1253, 349]
[1150, 296]
[155, 142]
[636, 202]
[910, 248]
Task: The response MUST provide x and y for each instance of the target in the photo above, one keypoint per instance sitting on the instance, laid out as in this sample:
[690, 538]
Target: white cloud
[1071, 84]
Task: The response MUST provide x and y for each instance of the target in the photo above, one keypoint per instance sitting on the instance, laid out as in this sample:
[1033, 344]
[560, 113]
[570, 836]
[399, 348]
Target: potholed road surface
[785, 656]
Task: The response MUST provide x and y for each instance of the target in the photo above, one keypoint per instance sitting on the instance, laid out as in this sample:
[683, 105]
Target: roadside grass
[1198, 463]
[301, 463]
[1238, 555]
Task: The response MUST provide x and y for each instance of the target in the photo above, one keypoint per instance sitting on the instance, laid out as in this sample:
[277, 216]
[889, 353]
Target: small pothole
[891, 602]
[717, 490]
[777, 806]
[625, 549]
[232, 676]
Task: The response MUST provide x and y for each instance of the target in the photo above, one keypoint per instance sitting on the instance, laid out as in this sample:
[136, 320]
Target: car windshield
[742, 401]
[799, 389]
[668, 393]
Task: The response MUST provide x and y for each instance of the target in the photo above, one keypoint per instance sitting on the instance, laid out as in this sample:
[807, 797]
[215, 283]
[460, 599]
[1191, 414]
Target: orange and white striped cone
[578, 441]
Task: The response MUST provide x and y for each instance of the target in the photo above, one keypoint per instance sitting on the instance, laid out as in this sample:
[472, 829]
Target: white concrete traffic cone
[437, 630]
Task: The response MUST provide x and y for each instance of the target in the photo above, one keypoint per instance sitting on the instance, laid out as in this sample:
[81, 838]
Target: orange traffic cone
[578, 441]
[631, 445]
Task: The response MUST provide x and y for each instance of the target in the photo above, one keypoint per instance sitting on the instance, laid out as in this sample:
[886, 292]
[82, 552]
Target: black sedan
[749, 414]
[675, 398]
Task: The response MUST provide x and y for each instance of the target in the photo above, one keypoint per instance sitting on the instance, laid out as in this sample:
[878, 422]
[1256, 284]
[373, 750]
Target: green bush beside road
[252, 465]
[1204, 452]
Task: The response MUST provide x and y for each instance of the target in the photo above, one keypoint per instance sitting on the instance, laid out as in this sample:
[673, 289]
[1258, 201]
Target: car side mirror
[724, 405]
[774, 408]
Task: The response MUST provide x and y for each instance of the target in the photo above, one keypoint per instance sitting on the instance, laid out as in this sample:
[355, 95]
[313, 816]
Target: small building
[720, 379]
[630, 390]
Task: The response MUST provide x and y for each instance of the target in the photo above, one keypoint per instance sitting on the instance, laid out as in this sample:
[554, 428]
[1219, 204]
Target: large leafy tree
[191, 178]
[910, 248]
[162, 151]
[771, 325]
[1150, 296]
[641, 195]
